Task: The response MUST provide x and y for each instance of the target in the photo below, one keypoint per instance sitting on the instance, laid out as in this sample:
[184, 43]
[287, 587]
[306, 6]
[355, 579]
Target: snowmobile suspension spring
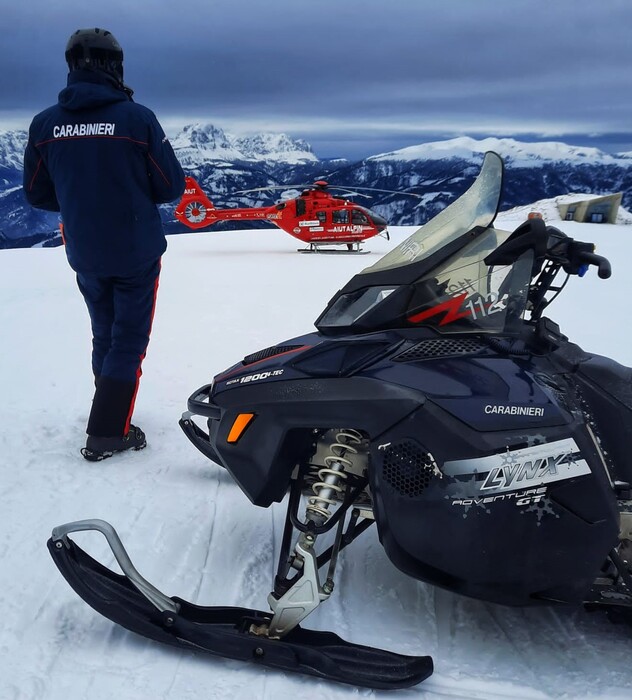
[331, 474]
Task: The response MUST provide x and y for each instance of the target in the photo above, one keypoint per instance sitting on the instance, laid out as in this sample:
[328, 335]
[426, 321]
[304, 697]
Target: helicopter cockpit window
[358, 217]
[321, 216]
[340, 216]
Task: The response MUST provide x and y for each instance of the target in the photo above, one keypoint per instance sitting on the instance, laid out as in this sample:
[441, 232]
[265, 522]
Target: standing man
[104, 162]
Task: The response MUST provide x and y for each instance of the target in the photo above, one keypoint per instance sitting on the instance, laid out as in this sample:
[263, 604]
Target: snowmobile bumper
[132, 602]
[199, 404]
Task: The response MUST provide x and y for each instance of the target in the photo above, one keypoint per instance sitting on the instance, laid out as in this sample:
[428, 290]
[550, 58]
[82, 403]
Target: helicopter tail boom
[196, 210]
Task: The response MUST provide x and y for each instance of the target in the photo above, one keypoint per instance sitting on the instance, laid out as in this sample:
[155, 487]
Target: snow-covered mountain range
[199, 144]
[440, 171]
[514, 153]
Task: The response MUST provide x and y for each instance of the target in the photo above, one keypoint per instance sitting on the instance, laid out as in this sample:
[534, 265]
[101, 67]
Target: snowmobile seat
[607, 387]
[613, 378]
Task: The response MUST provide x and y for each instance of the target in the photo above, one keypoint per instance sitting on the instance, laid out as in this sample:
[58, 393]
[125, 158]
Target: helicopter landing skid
[351, 249]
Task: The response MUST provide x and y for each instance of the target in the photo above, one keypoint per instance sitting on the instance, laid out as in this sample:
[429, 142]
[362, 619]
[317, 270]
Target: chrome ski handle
[153, 595]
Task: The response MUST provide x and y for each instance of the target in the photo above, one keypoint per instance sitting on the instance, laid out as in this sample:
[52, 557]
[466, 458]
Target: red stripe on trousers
[139, 371]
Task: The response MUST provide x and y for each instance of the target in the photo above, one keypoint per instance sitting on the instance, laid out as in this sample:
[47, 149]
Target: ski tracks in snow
[487, 648]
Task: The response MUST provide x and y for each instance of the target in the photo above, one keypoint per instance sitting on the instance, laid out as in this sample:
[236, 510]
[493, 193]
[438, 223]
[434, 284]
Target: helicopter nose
[379, 222]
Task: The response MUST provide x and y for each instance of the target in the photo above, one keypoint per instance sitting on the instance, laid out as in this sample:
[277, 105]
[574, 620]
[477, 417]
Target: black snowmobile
[436, 401]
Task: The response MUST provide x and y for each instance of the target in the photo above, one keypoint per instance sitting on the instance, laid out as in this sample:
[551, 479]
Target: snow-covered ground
[190, 530]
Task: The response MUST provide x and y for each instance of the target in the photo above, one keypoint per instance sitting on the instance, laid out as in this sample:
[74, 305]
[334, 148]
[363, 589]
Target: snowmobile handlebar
[552, 251]
[604, 269]
[574, 256]
[549, 244]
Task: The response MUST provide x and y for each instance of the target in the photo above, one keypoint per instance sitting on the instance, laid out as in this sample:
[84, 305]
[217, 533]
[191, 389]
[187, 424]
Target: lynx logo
[520, 469]
[544, 469]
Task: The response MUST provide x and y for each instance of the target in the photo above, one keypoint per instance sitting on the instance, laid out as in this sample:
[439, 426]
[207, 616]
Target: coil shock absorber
[332, 476]
[306, 592]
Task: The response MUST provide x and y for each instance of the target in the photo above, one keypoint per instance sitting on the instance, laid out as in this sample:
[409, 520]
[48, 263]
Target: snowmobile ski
[134, 603]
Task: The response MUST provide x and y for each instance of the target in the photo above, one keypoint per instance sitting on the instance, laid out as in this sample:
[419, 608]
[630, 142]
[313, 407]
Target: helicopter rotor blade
[351, 193]
[273, 187]
[340, 188]
[377, 189]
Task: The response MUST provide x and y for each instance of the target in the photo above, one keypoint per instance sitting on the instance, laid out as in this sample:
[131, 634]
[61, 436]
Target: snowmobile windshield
[465, 295]
[438, 276]
[476, 207]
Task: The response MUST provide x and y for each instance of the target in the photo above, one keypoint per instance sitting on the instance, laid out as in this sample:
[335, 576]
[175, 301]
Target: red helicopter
[315, 217]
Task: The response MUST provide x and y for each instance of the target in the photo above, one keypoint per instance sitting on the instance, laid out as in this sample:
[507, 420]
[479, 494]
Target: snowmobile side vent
[408, 468]
[268, 352]
[441, 347]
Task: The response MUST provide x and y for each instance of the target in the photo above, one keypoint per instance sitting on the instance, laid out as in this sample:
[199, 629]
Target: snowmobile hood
[89, 90]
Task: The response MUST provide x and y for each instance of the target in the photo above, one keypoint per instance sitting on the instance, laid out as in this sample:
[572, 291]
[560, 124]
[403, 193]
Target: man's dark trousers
[121, 312]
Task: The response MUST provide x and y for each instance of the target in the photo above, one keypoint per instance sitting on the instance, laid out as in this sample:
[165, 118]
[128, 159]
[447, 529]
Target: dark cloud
[351, 74]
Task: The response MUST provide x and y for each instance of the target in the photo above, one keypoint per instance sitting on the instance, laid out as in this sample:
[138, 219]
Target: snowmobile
[436, 401]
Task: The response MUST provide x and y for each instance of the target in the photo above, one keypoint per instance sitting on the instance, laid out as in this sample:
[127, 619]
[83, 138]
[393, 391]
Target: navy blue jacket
[104, 162]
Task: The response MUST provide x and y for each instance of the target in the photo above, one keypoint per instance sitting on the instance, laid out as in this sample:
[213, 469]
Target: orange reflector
[242, 421]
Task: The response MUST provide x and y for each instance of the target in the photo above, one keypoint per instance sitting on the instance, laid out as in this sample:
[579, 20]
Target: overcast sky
[352, 77]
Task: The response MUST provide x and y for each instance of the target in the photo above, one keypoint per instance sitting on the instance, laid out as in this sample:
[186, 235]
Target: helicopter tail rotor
[195, 209]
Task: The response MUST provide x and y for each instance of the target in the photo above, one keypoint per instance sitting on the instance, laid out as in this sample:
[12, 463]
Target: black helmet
[95, 49]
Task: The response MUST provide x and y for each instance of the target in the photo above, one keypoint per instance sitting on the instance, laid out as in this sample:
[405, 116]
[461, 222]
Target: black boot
[112, 406]
[111, 410]
[99, 448]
